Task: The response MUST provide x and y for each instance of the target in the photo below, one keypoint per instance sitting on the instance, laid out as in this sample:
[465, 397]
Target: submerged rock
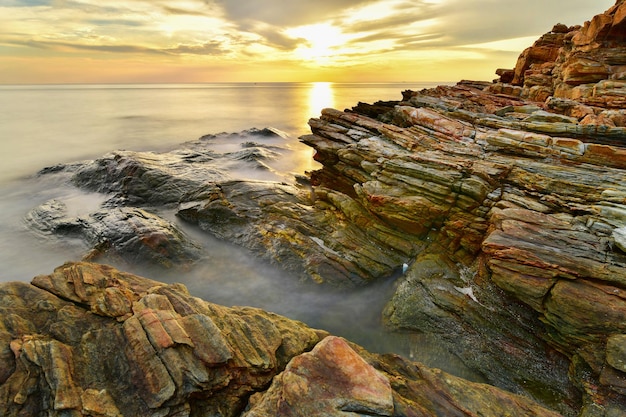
[138, 185]
[91, 340]
[129, 234]
[151, 178]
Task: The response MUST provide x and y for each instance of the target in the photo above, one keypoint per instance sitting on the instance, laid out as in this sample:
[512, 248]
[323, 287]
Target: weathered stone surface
[584, 63]
[327, 235]
[437, 298]
[420, 391]
[619, 236]
[507, 202]
[331, 380]
[128, 233]
[616, 352]
[533, 205]
[166, 353]
[138, 185]
[175, 355]
[162, 178]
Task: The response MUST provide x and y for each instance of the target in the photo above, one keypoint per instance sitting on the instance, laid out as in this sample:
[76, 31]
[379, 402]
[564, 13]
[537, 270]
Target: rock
[326, 237]
[544, 116]
[506, 75]
[132, 346]
[507, 211]
[126, 228]
[619, 236]
[584, 71]
[545, 49]
[163, 178]
[68, 349]
[576, 62]
[331, 380]
[528, 204]
[148, 177]
[569, 108]
[127, 233]
[616, 352]
[419, 390]
[436, 298]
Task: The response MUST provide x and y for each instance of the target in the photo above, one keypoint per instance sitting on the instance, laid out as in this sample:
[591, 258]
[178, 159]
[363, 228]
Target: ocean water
[43, 125]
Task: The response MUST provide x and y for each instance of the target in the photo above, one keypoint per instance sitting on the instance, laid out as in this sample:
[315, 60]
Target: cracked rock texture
[504, 201]
[88, 340]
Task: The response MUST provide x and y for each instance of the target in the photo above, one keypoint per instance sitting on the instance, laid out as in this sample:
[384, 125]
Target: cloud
[480, 21]
[183, 12]
[283, 13]
[25, 3]
[59, 45]
[449, 24]
[114, 22]
[360, 34]
[207, 48]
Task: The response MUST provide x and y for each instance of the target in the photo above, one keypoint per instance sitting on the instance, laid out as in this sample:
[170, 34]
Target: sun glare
[321, 96]
[321, 41]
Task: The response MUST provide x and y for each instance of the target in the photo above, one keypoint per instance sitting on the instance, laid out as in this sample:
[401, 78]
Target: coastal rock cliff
[502, 205]
[88, 340]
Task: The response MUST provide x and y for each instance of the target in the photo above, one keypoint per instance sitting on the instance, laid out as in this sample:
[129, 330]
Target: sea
[45, 125]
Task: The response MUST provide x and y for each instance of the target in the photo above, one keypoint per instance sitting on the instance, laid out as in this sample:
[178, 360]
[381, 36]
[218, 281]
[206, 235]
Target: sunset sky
[89, 41]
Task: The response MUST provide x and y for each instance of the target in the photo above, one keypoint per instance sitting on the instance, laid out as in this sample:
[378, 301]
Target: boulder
[331, 380]
[129, 234]
[89, 340]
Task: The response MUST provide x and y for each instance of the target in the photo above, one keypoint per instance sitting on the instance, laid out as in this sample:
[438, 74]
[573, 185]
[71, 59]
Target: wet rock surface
[504, 202]
[130, 234]
[89, 340]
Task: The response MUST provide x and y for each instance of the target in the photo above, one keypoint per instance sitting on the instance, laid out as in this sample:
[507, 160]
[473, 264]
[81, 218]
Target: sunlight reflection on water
[321, 96]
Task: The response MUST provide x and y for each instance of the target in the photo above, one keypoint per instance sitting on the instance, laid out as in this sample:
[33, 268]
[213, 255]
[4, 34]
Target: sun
[322, 41]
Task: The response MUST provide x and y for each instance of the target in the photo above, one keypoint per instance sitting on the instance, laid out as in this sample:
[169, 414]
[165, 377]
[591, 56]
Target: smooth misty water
[45, 125]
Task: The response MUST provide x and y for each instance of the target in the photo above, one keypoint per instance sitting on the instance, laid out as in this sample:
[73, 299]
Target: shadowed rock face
[88, 340]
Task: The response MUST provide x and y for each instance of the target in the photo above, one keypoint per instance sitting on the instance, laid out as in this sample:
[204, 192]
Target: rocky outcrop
[323, 235]
[129, 234]
[150, 178]
[585, 63]
[131, 226]
[88, 340]
[503, 203]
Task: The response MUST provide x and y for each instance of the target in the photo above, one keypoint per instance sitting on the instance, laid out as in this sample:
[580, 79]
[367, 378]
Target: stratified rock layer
[504, 202]
[89, 340]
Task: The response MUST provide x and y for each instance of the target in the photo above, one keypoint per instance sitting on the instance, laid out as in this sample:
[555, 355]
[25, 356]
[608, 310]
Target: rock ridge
[501, 206]
[89, 340]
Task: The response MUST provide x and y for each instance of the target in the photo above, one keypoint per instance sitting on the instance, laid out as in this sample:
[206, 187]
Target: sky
[186, 41]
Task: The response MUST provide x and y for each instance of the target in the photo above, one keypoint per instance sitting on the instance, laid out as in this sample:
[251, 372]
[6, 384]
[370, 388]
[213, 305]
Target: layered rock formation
[88, 340]
[584, 63]
[504, 202]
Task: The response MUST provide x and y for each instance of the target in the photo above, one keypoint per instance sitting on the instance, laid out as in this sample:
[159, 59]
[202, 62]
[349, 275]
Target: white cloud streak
[264, 30]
